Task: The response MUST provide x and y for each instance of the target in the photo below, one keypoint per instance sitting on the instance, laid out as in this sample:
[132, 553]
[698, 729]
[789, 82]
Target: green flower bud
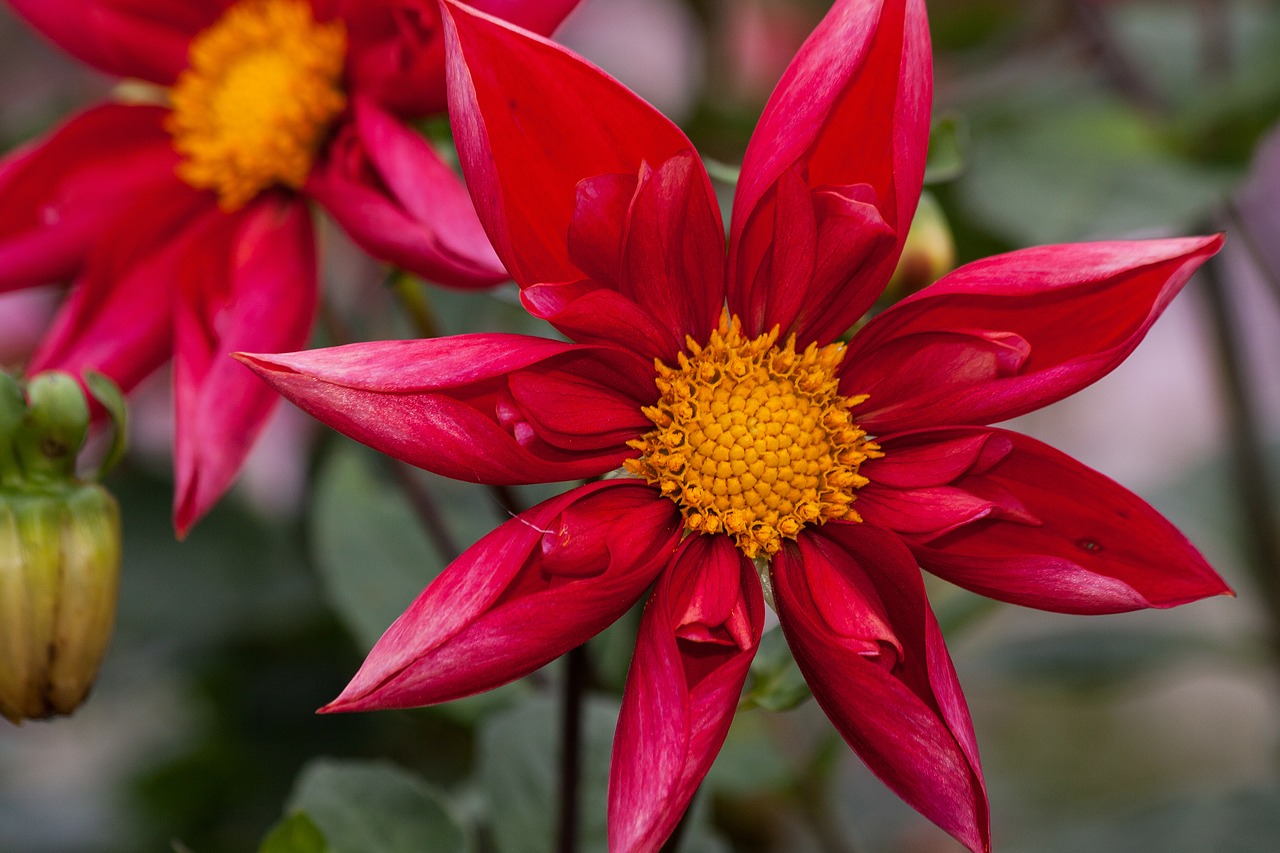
[928, 254]
[59, 548]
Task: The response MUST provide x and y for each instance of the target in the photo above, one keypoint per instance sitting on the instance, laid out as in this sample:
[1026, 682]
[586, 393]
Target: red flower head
[759, 456]
[183, 225]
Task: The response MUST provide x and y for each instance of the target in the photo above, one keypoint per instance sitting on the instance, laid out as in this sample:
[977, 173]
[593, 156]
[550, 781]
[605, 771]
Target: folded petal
[1042, 530]
[59, 194]
[567, 167]
[397, 48]
[1006, 335]
[539, 585]
[147, 39]
[488, 408]
[699, 633]
[118, 317]
[386, 186]
[853, 608]
[248, 282]
[833, 172]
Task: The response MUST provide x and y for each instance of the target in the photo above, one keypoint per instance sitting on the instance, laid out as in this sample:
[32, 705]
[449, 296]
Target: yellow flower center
[254, 105]
[752, 439]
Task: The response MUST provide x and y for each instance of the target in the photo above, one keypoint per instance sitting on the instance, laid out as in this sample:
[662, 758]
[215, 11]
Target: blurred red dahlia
[759, 456]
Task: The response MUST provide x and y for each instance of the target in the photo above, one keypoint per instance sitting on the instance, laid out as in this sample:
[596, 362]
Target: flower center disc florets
[257, 99]
[753, 439]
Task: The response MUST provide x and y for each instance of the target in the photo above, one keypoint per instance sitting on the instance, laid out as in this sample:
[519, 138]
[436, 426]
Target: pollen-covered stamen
[753, 439]
[258, 98]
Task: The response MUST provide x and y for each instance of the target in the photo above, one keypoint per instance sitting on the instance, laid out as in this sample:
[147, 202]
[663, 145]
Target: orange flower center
[257, 99]
[753, 439]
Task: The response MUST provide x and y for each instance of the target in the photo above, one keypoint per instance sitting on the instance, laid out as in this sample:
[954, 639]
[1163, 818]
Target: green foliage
[296, 833]
[376, 807]
[775, 682]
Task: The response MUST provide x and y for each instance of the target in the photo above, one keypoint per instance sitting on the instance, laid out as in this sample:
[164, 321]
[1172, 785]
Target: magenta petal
[249, 283]
[1059, 536]
[700, 631]
[386, 186]
[508, 605]
[531, 121]
[1006, 335]
[147, 40]
[854, 612]
[63, 192]
[449, 404]
[850, 117]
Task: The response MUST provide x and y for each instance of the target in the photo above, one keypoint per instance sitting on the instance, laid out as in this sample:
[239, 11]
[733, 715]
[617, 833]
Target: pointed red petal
[144, 40]
[1006, 335]
[700, 631]
[386, 186]
[541, 584]
[853, 609]
[833, 172]
[466, 407]
[60, 193]
[533, 122]
[1055, 534]
[249, 282]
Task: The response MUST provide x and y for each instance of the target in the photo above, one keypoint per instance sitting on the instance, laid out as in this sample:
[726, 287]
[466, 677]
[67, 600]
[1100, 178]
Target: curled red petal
[147, 40]
[1055, 534]
[881, 671]
[248, 281]
[511, 603]
[60, 194]
[700, 631]
[386, 186]
[1006, 335]
[532, 121]
[460, 406]
[833, 172]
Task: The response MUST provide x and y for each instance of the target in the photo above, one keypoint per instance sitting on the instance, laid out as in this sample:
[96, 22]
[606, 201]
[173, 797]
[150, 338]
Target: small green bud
[59, 551]
[929, 253]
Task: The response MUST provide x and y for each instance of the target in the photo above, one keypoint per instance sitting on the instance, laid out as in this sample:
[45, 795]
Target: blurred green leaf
[750, 762]
[775, 682]
[948, 149]
[376, 807]
[296, 833]
[1074, 166]
[1093, 657]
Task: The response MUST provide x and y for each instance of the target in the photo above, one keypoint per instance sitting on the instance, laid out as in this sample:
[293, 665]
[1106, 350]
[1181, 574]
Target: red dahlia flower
[746, 454]
[183, 223]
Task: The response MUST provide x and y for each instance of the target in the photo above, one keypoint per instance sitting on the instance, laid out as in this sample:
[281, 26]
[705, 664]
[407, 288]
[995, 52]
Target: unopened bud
[929, 253]
[59, 549]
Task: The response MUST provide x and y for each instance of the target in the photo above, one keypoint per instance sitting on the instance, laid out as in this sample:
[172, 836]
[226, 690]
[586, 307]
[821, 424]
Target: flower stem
[575, 682]
[425, 507]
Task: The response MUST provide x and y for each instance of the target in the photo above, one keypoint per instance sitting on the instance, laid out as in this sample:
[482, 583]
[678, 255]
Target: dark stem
[507, 500]
[1215, 38]
[1248, 456]
[1122, 74]
[1242, 232]
[575, 682]
[425, 507]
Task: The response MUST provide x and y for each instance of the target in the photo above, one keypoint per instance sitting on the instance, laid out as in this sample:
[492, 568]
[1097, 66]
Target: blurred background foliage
[1153, 731]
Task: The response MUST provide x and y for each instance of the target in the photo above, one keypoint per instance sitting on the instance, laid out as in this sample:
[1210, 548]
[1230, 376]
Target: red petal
[397, 48]
[831, 178]
[118, 317]
[890, 688]
[532, 121]
[249, 282]
[698, 636]
[147, 39]
[1058, 536]
[61, 193]
[460, 406]
[503, 608]
[388, 189]
[1006, 335]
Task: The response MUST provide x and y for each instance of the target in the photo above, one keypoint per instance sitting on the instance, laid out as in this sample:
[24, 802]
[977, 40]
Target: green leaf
[948, 149]
[109, 396]
[376, 807]
[296, 833]
[775, 682]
